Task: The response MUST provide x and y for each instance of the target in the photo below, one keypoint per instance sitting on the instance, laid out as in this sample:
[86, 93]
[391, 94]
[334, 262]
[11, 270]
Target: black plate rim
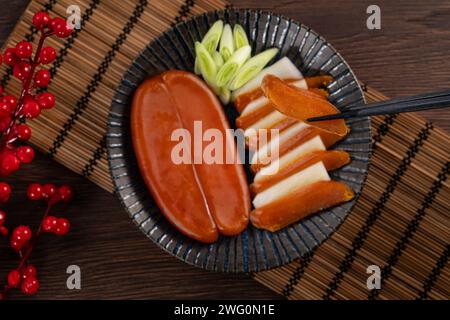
[260, 12]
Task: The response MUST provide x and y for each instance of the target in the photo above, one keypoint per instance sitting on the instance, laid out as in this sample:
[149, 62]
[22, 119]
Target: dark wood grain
[116, 260]
[410, 54]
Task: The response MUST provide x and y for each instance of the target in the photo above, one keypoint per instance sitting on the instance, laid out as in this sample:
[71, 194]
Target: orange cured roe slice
[300, 204]
[302, 104]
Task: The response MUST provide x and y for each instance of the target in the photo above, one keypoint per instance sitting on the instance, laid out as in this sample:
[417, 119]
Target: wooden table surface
[410, 54]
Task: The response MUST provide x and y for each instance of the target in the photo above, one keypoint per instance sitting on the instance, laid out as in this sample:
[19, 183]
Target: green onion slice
[252, 67]
[225, 96]
[218, 59]
[239, 36]
[212, 37]
[232, 66]
[206, 65]
[196, 67]
[226, 43]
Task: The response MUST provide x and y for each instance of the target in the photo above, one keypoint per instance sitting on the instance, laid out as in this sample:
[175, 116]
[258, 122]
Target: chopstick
[424, 101]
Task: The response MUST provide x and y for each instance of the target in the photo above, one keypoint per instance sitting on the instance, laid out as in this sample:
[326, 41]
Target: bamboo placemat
[400, 223]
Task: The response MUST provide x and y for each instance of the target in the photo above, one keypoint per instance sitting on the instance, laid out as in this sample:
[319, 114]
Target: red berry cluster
[30, 103]
[20, 237]
[5, 194]
[32, 100]
[51, 194]
[26, 279]
[23, 240]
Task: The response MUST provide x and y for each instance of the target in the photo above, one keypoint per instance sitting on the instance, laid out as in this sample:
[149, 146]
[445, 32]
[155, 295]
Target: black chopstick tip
[328, 117]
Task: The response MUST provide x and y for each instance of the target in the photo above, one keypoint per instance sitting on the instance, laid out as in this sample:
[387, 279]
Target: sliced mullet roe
[314, 84]
[299, 138]
[302, 104]
[300, 204]
[331, 159]
[320, 92]
[318, 81]
[244, 99]
[246, 120]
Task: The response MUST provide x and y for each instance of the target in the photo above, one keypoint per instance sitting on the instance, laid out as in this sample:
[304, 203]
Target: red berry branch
[13, 113]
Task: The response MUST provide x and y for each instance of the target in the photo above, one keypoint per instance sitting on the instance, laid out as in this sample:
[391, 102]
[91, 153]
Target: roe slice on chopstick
[299, 204]
[302, 104]
[255, 99]
[262, 107]
[313, 84]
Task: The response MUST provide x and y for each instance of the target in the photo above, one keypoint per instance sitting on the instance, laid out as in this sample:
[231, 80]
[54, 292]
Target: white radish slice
[284, 136]
[283, 69]
[314, 144]
[300, 84]
[255, 105]
[312, 174]
[265, 123]
[262, 101]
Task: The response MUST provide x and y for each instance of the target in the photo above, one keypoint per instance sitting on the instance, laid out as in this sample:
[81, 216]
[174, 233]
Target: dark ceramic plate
[254, 249]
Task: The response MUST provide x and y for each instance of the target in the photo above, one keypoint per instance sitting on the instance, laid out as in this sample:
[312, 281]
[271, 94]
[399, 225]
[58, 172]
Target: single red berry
[49, 224]
[65, 193]
[5, 109]
[41, 19]
[9, 163]
[48, 190]
[4, 123]
[21, 234]
[25, 154]
[21, 70]
[48, 55]
[46, 100]
[30, 286]
[34, 191]
[10, 57]
[3, 231]
[68, 31]
[10, 100]
[2, 218]
[29, 271]
[24, 49]
[42, 78]
[14, 279]
[5, 193]
[23, 132]
[56, 23]
[60, 27]
[16, 245]
[30, 108]
[62, 227]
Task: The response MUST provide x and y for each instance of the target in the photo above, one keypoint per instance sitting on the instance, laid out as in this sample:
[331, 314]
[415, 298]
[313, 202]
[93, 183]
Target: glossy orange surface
[246, 120]
[302, 104]
[318, 81]
[200, 200]
[300, 204]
